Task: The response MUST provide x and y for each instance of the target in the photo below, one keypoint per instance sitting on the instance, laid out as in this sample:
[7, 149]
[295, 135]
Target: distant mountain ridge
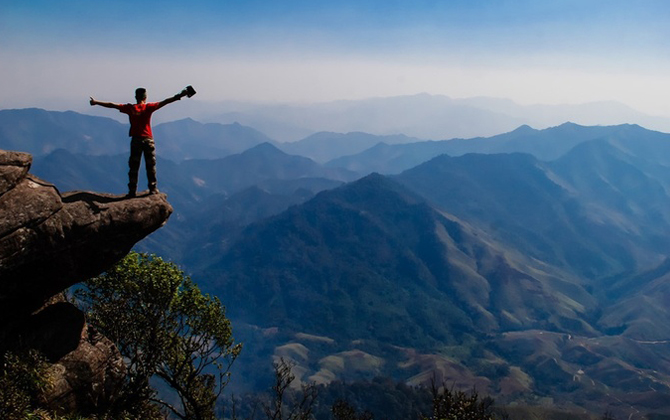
[547, 144]
[424, 116]
[196, 186]
[501, 261]
[573, 212]
[40, 132]
[256, 164]
[374, 236]
[325, 146]
[188, 139]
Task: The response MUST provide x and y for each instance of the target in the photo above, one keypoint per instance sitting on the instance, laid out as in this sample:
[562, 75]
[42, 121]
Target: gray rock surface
[48, 242]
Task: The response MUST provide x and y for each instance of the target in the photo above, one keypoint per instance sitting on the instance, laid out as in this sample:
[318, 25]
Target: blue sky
[54, 53]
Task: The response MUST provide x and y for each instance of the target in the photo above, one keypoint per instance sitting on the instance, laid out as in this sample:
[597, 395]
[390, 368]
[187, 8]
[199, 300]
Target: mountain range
[41, 132]
[423, 116]
[546, 144]
[499, 250]
[532, 265]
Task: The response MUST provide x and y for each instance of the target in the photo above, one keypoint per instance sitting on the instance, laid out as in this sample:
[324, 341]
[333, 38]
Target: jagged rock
[13, 166]
[49, 242]
[88, 378]
[87, 368]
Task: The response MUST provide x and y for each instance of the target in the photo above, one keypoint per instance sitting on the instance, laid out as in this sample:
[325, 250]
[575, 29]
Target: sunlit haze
[56, 54]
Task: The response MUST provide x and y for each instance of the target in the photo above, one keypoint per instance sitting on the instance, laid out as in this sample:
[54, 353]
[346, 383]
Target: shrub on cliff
[23, 377]
[165, 328]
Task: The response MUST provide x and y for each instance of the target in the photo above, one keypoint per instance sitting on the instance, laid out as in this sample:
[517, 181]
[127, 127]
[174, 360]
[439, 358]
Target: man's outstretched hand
[105, 104]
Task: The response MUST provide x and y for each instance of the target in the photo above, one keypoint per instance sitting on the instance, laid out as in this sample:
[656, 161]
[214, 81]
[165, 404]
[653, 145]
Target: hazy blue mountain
[601, 113]
[261, 163]
[607, 175]
[213, 197]
[548, 144]
[189, 139]
[424, 116]
[40, 132]
[221, 218]
[369, 279]
[591, 211]
[520, 275]
[109, 174]
[70, 171]
[391, 158]
[554, 142]
[545, 277]
[326, 146]
[371, 260]
[198, 234]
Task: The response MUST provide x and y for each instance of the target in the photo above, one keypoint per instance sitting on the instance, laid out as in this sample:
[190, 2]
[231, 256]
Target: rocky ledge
[48, 242]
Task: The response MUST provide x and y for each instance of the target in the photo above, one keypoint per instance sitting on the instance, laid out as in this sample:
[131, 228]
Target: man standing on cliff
[142, 140]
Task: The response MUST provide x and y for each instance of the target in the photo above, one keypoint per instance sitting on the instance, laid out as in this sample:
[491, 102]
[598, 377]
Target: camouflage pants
[139, 146]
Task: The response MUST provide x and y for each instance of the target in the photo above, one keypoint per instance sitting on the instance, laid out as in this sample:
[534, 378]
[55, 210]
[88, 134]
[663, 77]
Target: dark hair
[140, 93]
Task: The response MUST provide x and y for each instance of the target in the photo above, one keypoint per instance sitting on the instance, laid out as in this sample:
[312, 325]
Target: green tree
[342, 410]
[165, 328]
[458, 405]
[287, 405]
[23, 378]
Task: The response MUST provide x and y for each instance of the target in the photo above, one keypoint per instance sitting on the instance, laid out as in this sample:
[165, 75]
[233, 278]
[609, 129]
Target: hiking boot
[131, 194]
[153, 191]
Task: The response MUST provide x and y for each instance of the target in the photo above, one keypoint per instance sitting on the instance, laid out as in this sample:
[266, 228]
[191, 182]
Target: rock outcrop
[48, 242]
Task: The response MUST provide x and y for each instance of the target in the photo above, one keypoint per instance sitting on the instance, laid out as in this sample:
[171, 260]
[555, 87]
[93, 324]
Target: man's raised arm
[188, 91]
[105, 104]
[173, 98]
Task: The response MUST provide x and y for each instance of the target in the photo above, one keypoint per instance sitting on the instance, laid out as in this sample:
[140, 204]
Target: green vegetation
[165, 328]
[23, 377]
[449, 404]
[380, 398]
[383, 399]
[342, 410]
[285, 405]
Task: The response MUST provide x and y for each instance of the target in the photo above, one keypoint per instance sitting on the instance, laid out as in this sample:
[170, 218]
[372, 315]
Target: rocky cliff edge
[48, 242]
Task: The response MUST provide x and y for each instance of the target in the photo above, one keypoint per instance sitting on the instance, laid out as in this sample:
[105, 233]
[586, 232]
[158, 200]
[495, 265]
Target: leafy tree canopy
[164, 327]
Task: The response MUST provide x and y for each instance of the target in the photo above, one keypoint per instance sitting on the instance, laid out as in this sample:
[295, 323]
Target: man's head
[140, 94]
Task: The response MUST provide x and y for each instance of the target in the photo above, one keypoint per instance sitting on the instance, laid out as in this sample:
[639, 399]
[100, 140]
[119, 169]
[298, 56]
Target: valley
[531, 265]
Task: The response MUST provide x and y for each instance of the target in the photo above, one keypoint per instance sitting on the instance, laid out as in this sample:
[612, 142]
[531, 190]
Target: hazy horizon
[56, 54]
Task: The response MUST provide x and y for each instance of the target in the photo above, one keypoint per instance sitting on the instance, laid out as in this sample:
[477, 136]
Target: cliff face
[49, 242]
